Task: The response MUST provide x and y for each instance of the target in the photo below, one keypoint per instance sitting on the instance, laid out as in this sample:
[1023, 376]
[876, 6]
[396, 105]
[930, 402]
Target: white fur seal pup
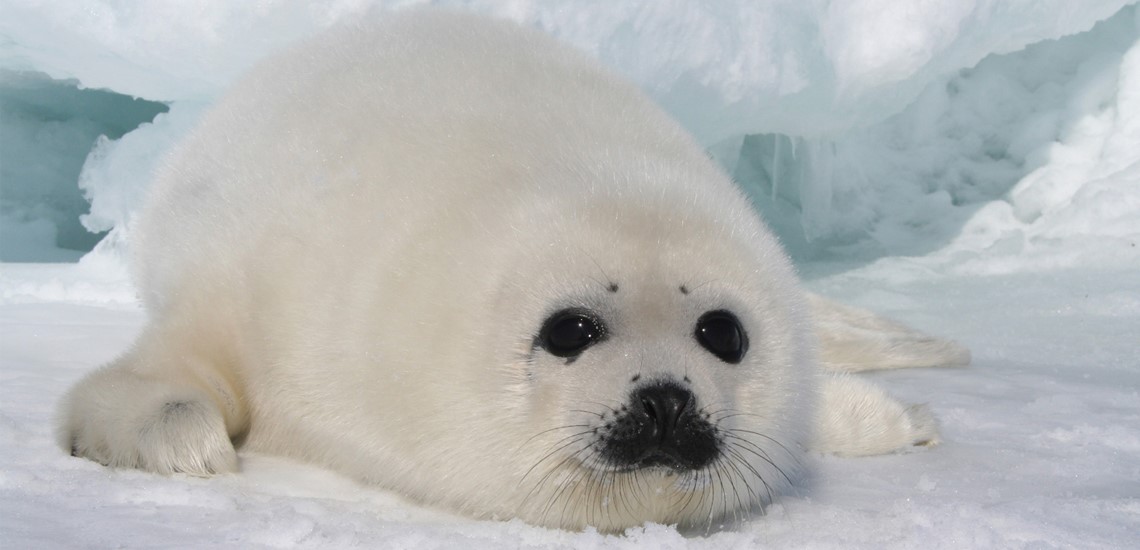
[450, 257]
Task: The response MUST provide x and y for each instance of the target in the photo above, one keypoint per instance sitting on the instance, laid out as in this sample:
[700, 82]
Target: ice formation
[960, 130]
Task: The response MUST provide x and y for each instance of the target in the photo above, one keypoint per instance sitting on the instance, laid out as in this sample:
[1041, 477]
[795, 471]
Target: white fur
[349, 259]
[853, 340]
[856, 418]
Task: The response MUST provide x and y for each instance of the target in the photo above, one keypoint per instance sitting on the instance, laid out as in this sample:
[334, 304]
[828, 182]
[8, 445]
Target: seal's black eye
[570, 331]
[720, 332]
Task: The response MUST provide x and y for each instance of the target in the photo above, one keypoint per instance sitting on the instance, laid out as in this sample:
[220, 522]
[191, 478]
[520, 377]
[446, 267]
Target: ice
[970, 167]
[1022, 131]
[889, 124]
[47, 129]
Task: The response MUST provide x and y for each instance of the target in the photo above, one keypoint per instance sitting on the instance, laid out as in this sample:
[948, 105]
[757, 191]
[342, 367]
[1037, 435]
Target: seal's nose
[662, 405]
[660, 426]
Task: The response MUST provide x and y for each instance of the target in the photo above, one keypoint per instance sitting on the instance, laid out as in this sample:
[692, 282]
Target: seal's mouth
[657, 461]
[664, 460]
[665, 468]
[650, 472]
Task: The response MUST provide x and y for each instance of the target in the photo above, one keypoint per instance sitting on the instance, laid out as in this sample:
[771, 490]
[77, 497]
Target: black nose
[663, 406]
[660, 426]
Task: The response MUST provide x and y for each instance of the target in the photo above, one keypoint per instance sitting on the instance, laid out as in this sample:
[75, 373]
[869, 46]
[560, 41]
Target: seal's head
[659, 365]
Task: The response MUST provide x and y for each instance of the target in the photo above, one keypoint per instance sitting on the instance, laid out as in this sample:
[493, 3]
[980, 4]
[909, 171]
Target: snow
[1042, 435]
[970, 167]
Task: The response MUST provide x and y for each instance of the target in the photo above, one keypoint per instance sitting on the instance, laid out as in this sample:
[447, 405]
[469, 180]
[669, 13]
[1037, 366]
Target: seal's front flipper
[857, 418]
[141, 412]
[852, 339]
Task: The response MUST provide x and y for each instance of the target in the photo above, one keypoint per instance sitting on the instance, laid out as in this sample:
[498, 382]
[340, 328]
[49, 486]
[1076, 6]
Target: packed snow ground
[1042, 439]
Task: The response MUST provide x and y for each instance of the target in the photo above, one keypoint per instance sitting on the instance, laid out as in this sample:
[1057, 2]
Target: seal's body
[451, 257]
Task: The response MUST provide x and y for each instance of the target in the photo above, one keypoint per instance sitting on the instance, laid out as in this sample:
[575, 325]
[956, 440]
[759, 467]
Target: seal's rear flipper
[853, 339]
[857, 418]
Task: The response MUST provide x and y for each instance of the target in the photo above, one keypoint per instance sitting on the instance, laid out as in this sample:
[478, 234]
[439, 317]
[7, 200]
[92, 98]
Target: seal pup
[448, 256]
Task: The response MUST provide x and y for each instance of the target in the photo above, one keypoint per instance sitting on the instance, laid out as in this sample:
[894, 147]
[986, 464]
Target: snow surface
[1042, 440]
[970, 167]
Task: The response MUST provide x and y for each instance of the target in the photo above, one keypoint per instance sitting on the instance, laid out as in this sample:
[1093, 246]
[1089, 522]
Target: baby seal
[450, 257]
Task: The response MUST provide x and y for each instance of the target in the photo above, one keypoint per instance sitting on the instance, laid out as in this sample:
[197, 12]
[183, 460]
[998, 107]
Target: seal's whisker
[765, 458]
[769, 438]
[567, 426]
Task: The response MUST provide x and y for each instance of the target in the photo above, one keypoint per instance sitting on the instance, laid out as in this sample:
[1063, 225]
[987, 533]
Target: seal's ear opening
[567, 333]
[721, 334]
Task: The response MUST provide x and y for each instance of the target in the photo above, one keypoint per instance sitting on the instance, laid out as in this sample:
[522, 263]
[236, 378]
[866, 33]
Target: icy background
[971, 167]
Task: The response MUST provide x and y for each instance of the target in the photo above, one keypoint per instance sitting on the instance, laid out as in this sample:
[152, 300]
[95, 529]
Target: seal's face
[658, 424]
[662, 383]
